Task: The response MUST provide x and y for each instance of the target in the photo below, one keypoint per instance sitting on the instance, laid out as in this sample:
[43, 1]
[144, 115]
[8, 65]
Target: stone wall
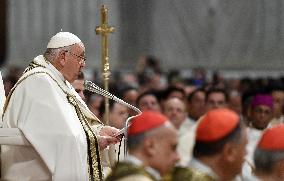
[215, 34]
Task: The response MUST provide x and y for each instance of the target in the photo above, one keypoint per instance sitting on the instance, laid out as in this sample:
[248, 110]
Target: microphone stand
[90, 86]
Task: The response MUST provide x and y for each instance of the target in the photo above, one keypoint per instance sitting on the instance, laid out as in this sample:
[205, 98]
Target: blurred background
[181, 40]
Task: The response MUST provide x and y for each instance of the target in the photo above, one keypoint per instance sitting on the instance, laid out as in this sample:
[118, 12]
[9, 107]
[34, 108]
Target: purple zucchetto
[262, 99]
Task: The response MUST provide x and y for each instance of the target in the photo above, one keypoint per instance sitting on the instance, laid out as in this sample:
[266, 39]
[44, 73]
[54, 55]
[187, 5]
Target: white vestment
[253, 138]
[40, 109]
[186, 140]
[275, 121]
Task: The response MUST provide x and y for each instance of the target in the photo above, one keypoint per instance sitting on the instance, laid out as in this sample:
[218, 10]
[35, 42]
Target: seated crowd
[194, 128]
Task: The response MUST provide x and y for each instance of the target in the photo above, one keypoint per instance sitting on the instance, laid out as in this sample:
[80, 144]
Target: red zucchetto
[216, 124]
[273, 139]
[146, 121]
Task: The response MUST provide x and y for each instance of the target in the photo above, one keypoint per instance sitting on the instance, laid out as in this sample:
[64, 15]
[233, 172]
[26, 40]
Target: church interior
[213, 69]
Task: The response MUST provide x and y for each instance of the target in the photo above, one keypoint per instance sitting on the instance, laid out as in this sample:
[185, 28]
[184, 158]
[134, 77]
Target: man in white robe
[260, 115]
[195, 109]
[54, 119]
[175, 110]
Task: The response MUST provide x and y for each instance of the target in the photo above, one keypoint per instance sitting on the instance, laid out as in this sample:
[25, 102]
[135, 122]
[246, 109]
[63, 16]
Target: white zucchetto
[63, 39]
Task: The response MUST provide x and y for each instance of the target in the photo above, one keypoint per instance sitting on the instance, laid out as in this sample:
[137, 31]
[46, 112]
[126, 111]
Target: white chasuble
[53, 118]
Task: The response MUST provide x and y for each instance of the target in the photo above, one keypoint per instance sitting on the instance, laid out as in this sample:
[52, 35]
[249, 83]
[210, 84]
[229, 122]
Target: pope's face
[74, 62]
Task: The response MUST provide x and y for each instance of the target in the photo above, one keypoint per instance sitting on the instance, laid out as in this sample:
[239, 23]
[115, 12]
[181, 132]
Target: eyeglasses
[82, 58]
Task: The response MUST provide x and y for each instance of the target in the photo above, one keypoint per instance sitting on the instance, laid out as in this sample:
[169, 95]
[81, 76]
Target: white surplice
[40, 109]
[253, 137]
[186, 140]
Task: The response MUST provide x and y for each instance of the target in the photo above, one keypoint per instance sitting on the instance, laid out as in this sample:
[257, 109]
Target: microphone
[90, 86]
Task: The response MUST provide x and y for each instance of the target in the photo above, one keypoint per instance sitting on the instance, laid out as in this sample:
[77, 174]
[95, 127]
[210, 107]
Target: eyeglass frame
[78, 56]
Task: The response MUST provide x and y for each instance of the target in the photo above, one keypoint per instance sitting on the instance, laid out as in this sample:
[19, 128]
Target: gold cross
[104, 29]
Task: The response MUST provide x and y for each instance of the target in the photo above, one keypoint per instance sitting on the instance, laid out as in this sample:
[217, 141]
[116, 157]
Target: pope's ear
[61, 57]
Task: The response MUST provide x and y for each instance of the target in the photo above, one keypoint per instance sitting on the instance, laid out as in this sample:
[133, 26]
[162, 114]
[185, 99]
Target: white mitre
[63, 39]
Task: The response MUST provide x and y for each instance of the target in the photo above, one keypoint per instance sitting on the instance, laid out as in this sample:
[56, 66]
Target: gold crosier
[104, 29]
